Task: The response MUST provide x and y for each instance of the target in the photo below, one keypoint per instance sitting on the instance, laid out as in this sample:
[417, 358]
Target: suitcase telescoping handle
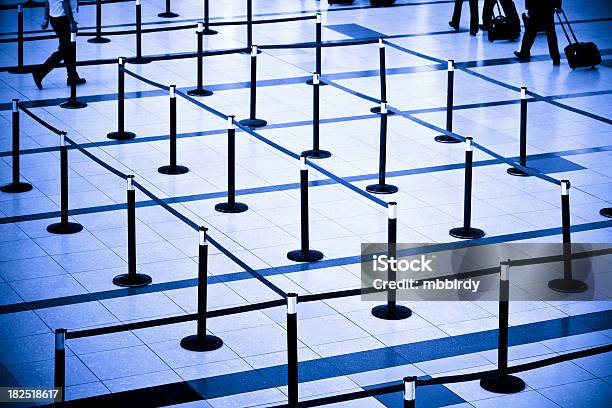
[560, 12]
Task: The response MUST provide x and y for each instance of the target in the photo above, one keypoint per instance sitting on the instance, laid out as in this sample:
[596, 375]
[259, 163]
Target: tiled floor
[49, 281]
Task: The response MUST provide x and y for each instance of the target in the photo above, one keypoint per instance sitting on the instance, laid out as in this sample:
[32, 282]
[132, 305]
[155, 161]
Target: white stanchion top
[138, 2]
[381, 43]
[392, 210]
[291, 303]
[73, 37]
[172, 90]
[468, 144]
[63, 139]
[121, 60]
[565, 185]
[409, 390]
[254, 51]
[383, 107]
[230, 122]
[200, 27]
[523, 92]
[315, 78]
[130, 184]
[504, 271]
[303, 165]
[451, 65]
[202, 235]
[15, 101]
[318, 18]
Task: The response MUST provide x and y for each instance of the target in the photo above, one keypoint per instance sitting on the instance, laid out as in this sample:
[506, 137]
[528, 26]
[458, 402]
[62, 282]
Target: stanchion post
[207, 29]
[316, 152]
[513, 171]
[98, 39]
[450, 86]
[382, 187]
[121, 134]
[292, 351]
[231, 206]
[19, 69]
[304, 254]
[167, 13]
[131, 279]
[467, 231]
[250, 24]
[382, 75]
[567, 284]
[59, 371]
[200, 91]
[172, 168]
[73, 102]
[503, 382]
[201, 341]
[252, 121]
[391, 310]
[410, 392]
[15, 186]
[64, 226]
[138, 59]
[318, 49]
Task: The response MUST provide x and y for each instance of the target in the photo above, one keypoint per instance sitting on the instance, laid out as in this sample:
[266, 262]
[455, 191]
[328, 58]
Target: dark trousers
[541, 20]
[66, 50]
[507, 6]
[473, 14]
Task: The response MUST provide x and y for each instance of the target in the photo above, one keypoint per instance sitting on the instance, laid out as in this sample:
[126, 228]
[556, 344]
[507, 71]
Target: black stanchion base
[466, 233]
[316, 154]
[18, 187]
[121, 135]
[507, 384]
[385, 312]
[376, 109]
[513, 171]
[446, 139]
[381, 189]
[606, 212]
[64, 229]
[173, 170]
[138, 60]
[253, 122]
[300, 255]
[167, 14]
[567, 285]
[76, 104]
[132, 281]
[209, 31]
[232, 208]
[199, 92]
[309, 82]
[19, 70]
[98, 40]
[195, 343]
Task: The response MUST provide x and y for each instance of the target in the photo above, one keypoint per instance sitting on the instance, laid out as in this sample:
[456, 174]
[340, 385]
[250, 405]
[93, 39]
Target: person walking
[540, 17]
[62, 16]
[454, 23]
[509, 11]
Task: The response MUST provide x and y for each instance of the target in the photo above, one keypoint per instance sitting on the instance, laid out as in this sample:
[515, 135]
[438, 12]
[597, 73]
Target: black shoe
[557, 62]
[473, 32]
[484, 27]
[454, 25]
[37, 79]
[77, 81]
[522, 57]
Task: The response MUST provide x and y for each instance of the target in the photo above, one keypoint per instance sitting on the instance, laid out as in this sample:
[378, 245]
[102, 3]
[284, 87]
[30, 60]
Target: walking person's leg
[456, 15]
[54, 59]
[487, 14]
[551, 36]
[473, 17]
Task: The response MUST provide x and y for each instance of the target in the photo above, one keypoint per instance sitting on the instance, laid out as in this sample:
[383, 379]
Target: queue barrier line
[31, 114]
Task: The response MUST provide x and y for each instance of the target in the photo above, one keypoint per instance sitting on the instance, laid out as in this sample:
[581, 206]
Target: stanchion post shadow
[292, 351]
[316, 152]
[382, 187]
[15, 186]
[391, 310]
[73, 102]
[567, 284]
[121, 134]
[523, 137]
[172, 168]
[304, 254]
[249, 28]
[132, 279]
[503, 382]
[606, 212]
[98, 39]
[201, 341]
[409, 392]
[450, 86]
[207, 29]
[138, 59]
[64, 226]
[252, 121]
[200, 91]
[318, 49]
[382, 75]
[467, 231]
[59, 362]
[231, 206]
[167, 13]
[19, 69]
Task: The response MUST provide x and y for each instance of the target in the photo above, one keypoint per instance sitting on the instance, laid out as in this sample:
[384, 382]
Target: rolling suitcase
[578, 54]
[502, 28]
